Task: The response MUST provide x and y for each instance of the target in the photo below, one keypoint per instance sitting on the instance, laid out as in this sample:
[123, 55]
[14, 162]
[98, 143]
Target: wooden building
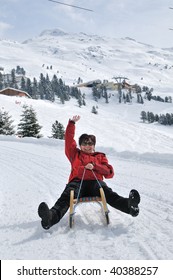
[90, 83]
[14, 92]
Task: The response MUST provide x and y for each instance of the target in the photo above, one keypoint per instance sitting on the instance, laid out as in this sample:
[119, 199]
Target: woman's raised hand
[75, 118]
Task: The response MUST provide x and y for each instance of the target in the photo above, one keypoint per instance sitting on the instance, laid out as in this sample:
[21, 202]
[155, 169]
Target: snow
[90, 57]
[36, 170]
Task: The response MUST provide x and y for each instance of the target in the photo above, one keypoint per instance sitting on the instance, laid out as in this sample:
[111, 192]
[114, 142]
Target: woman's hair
[87, 137]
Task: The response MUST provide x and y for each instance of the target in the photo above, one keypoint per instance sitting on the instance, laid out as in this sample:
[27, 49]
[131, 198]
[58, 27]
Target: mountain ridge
[90, 57]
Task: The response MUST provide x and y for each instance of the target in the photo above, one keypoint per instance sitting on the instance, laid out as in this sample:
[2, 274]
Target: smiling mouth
[88, 150]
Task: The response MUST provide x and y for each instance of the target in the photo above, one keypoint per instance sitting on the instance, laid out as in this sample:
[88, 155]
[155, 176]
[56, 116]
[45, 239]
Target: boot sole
[134, 198]
[43, 212]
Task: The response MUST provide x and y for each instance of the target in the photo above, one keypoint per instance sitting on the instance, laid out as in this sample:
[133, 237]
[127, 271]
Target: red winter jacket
[79, 159]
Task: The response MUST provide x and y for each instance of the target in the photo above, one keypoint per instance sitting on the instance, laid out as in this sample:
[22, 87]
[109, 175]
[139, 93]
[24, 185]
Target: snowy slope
[35, 170]
[90, 57]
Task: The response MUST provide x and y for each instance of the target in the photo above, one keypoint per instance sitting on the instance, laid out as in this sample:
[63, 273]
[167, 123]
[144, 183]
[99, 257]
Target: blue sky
[146, 21]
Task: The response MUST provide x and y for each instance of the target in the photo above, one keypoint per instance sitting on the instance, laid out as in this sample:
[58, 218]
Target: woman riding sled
[91, 168]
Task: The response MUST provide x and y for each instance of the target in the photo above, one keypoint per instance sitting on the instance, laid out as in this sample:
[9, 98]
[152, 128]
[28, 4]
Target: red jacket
[79, 159]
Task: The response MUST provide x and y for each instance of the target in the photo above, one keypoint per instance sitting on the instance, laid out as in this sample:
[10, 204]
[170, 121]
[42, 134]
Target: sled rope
[101, 200]
[96, 179]
[77, 199]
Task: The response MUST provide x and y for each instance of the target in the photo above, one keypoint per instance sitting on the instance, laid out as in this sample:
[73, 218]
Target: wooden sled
[101, 200]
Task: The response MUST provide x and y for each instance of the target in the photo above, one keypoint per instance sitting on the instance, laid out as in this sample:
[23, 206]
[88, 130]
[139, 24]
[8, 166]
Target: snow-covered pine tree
[94, 110]
[6, 127]
[83, 99]
[29, 86]
[42, 86]
[13, 82]
[35, 94]
[105, 94]
[79, 101]
[1, 81]
[162, 120]
[143, 116]
[168, 118]
[23, 84]
[55, 85]
[49, 95]
[156, 117]
[150, 117]
[29, 126]
[58, 130]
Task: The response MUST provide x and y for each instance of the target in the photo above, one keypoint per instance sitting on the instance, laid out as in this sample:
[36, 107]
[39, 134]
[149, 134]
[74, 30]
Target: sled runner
[74, 202]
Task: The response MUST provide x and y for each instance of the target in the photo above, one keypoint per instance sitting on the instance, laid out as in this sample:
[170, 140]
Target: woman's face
[87, 147]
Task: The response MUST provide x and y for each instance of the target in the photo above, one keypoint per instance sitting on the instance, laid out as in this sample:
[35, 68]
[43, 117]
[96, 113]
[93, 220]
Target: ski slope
[35, 170]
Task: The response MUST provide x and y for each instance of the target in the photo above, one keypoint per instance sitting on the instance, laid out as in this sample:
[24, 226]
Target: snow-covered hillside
[90, 57]
[35, 170]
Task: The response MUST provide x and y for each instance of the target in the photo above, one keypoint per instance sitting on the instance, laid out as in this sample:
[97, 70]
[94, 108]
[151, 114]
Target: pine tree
[162, 119]
[170, 99]
[13, 82]
[94, 110]
[6, 127]
[171, 119]
[79, 101]
[20, 70]
[168, 118]
[105, 94]
[156, 118]
[83, 100]
[28, 126]
[29, 87]
[166, 99]
[143, 116]
[23, 84]
[150, 117]
[58, 130]
[48, 90]
[35, 89]
[1, 81]
[142, 101]
[139, 98]
[55, 85]
[42, 86]
[96, 93]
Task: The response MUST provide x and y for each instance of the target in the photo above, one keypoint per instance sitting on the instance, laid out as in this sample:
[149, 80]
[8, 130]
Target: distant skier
[86, 159]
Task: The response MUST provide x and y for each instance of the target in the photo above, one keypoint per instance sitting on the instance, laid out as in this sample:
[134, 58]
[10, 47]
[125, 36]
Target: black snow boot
[46, 215]
[134, 200]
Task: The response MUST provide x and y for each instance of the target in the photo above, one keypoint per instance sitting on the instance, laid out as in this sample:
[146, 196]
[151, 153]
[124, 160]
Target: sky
[143, 20]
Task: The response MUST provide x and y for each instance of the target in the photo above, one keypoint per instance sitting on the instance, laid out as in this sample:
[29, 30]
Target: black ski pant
[88, 188]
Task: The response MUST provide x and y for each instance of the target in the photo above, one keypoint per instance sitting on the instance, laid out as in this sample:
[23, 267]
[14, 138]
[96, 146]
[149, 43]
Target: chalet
[90, 84]
[119, 84]
[98, 84]
[14, 92]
